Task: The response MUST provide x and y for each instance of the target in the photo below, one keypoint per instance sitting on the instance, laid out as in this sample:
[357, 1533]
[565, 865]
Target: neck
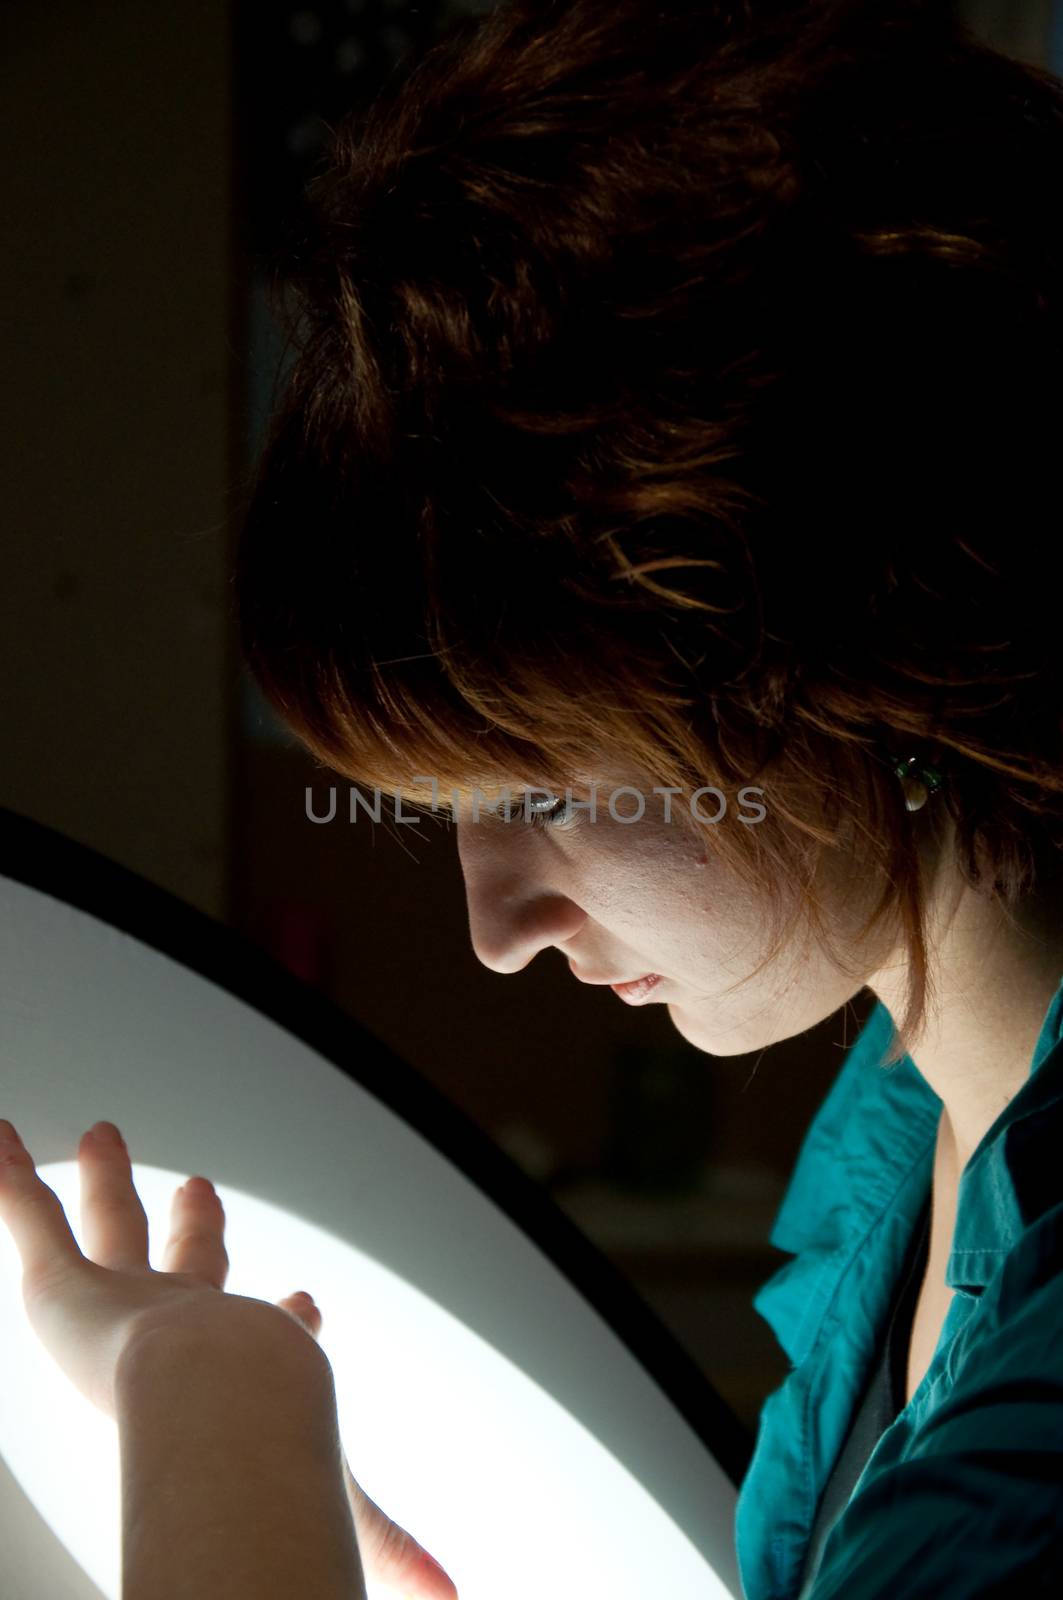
[994, 974]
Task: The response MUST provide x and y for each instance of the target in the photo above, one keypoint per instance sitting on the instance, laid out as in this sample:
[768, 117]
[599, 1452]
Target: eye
[545, 811]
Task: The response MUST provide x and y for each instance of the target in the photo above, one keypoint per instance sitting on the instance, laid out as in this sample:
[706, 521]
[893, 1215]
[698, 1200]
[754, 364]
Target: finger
[112, 1217]
[33, 1214]
[391, 1556]
[304, 1309]
[197, 1234]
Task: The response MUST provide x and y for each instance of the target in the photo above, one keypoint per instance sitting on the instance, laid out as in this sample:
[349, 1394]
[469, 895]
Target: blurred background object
[154, 153]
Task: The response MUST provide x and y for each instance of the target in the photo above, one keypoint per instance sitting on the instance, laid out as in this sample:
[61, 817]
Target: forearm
[232, 1483]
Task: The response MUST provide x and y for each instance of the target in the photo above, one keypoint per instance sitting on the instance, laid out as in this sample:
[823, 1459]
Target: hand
[87, 1308]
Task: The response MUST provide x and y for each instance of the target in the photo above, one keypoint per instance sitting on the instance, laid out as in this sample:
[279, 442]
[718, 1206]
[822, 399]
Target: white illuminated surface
[485, 1401]
[496, 1479]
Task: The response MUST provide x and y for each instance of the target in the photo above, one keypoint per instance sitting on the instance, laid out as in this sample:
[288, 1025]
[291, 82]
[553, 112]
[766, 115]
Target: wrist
[213, 1317]
[231, 1458]
[221, 1339]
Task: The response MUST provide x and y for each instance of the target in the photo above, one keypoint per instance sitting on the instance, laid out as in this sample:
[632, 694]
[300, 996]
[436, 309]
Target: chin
[744, 1036]
[735, 1042]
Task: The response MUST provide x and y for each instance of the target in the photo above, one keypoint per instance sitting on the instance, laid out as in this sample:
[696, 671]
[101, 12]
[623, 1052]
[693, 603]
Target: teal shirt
[962, 1497]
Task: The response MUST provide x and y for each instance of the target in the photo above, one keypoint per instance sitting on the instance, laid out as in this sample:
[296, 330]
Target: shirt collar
[869, 1156]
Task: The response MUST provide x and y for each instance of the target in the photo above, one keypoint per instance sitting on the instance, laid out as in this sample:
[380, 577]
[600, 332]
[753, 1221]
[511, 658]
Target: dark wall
[115, 654]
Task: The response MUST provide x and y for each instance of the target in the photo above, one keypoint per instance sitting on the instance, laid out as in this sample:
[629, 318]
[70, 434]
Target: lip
[640, 990]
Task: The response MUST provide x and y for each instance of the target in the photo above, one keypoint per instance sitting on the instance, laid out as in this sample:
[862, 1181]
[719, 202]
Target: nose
[514, 912]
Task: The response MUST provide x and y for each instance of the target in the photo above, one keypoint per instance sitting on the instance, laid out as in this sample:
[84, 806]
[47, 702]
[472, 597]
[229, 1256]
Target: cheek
[662, 890]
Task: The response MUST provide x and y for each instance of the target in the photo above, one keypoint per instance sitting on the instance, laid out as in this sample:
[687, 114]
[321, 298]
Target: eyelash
[547, 819]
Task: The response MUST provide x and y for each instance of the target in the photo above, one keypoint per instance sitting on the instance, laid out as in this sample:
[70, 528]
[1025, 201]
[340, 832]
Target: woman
[671, 413]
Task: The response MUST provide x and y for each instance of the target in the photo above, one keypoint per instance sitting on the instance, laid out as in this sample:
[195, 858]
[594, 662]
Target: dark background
[151, 154]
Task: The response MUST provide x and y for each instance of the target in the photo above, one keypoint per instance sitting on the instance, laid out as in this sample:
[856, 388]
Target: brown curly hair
[677, 387]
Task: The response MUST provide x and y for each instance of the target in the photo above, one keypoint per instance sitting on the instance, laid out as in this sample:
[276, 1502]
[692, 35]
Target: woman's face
[624, 899]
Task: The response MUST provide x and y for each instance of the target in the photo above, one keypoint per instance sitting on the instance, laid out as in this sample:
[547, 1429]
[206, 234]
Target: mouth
[639, 990]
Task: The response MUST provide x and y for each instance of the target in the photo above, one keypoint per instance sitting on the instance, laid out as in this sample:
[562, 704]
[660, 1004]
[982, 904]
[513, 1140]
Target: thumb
[301, 1306]
[392, 1556]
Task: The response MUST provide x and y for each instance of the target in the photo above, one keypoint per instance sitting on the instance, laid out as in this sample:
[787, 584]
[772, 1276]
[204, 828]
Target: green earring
[919, 781]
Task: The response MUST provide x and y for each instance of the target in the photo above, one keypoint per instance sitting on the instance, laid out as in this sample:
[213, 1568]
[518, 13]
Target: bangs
[433, 729]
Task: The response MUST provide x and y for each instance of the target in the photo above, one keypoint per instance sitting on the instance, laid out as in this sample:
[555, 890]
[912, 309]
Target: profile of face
[624, 898]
